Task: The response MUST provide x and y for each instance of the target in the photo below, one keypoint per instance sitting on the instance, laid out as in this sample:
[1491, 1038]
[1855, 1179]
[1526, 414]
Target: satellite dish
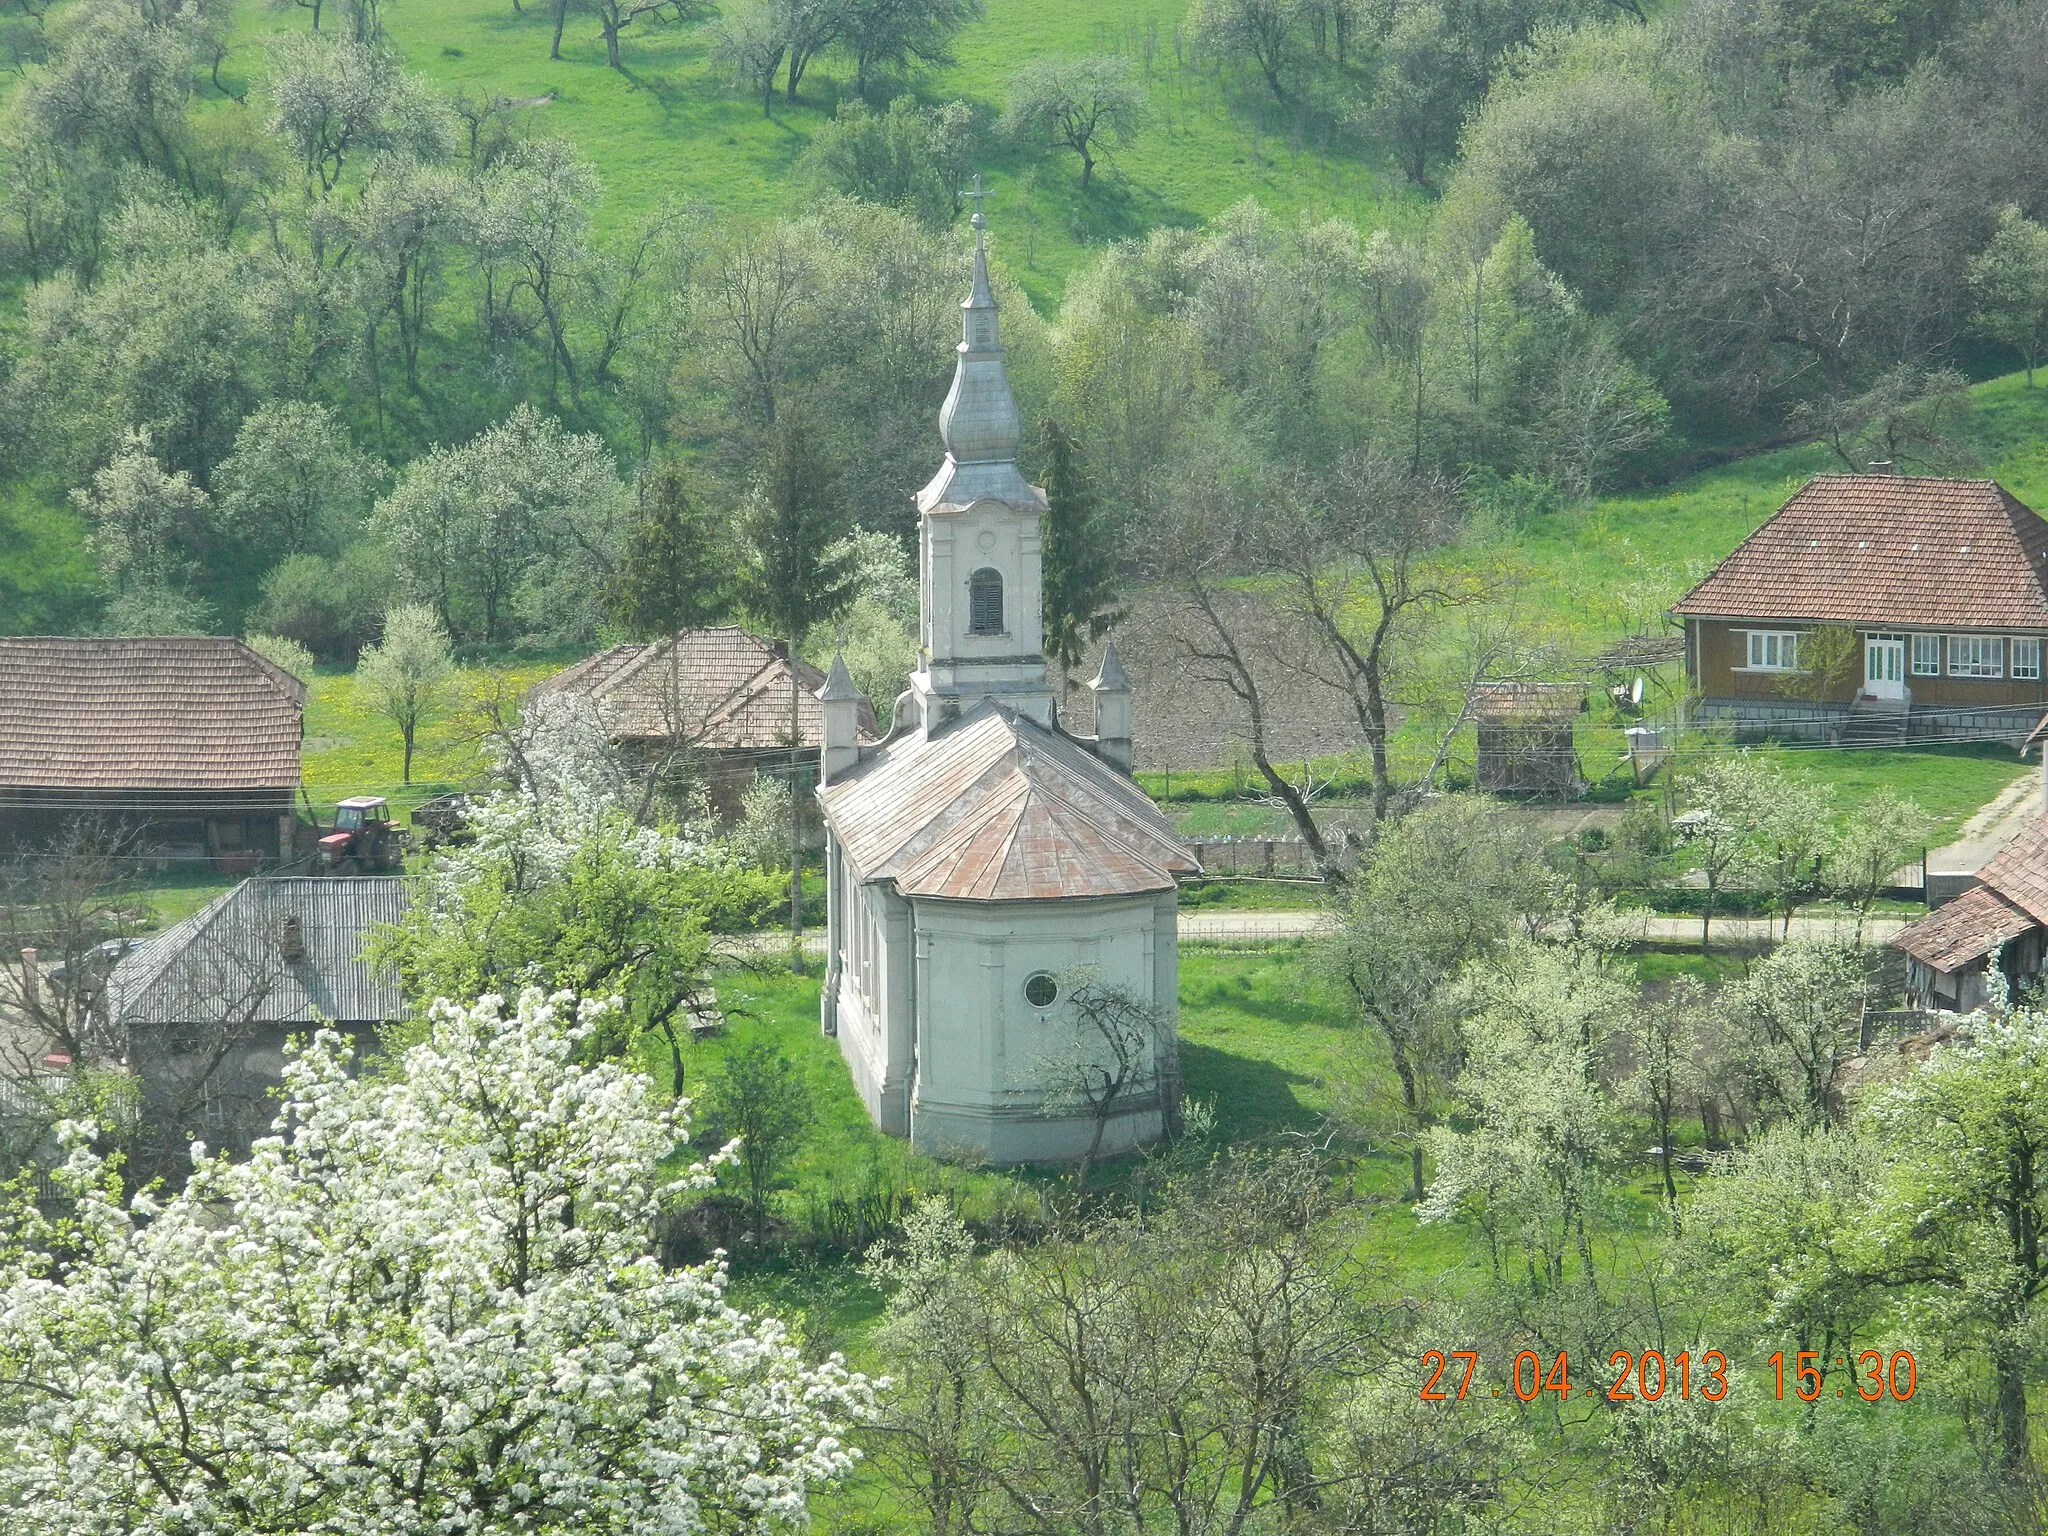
[1635, 694]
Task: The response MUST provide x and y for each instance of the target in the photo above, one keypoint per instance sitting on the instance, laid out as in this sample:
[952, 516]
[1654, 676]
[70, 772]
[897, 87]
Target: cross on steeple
[977, 194]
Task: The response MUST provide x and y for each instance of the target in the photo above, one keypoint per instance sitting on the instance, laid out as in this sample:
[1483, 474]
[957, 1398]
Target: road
[1267, 927]
[1275, 927]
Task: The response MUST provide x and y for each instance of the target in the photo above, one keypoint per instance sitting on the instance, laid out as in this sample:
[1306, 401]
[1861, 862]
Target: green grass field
[670, 125]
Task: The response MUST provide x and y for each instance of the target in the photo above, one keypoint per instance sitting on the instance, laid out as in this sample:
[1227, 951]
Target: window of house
[985, 602]
[1773, 650]
[1927, 655]
[1976, 656]
[1041, 990]
[2026, 656]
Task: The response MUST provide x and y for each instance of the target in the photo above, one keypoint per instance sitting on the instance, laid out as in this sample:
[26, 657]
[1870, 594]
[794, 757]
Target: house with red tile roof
[1943, 584]
[2002, 920]
[187, 743]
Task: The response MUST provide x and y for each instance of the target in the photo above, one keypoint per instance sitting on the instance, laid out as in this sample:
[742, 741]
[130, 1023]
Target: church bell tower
[980, 567]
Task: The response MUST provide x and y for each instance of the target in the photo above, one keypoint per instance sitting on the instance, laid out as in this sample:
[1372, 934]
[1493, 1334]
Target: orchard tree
[1728, 799]
[1666, 1040]
[273, 1347]
[885, 34]
[1262, 32]
[748, 41]
[142, 518]
[294, 483]
[1526, 1154]
[1795, 1020]
[910, 157]
[1964, 1213]
[2009, 287]
[1888, 830]
[406, 673]
[1439, 889]
[1085, 104]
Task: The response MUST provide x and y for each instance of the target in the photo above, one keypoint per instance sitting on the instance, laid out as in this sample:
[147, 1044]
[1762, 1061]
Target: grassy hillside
[671, 124]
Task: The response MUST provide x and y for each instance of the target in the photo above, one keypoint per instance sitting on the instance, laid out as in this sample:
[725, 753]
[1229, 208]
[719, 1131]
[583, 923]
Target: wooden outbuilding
[721, 694]
[1524, 735]
[2001, 920]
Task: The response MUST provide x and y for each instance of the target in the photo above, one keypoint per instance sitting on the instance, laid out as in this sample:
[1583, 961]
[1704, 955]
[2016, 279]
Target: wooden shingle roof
[1887, 549]
[2019, 870]
[1974, 924]
[994, 808]
[2011, 897]
[193, 712]
[720, 688]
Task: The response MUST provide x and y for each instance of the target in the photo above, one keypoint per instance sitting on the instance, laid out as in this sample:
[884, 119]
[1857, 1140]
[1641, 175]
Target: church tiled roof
[994, 808]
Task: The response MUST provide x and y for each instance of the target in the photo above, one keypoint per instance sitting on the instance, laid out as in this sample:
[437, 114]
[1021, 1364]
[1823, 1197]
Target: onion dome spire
[979, 419]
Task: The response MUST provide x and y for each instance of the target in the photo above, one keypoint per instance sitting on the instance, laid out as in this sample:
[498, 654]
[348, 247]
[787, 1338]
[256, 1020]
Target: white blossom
[429, 1303]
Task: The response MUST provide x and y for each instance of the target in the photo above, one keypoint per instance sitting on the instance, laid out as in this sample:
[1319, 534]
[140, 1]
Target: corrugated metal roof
[721, 688]
[994, 808]
[1887, 549]
[162, 712]
[228, 956]
[1974, 924]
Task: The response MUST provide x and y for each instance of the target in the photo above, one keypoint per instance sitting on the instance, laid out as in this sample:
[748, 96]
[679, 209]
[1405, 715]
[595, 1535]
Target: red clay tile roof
[166, 712]
[1974, 924]
[727, 690]
[993, 808]
[1887, 549]
[2019, 870]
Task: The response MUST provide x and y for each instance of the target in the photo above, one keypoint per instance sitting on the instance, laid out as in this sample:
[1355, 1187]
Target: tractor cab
[363, 837]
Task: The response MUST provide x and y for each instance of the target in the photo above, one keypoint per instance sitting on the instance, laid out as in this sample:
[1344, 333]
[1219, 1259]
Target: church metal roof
[995, 808]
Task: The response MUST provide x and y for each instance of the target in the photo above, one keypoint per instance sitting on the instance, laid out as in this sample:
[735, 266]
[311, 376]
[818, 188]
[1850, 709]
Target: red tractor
[363, 838]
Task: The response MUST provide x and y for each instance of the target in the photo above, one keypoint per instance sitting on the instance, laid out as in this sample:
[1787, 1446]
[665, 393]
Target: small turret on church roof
[979, 421]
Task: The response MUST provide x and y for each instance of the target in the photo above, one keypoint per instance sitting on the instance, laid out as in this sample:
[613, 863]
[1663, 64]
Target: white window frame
[1977, 656]
[2028, 647]
[1770, 650]
[1925, 660]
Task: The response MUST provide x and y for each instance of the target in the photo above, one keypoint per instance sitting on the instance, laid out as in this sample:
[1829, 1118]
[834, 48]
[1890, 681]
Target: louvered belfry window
[985, 602]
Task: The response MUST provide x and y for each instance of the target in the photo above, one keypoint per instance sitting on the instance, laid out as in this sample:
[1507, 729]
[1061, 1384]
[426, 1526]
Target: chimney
[291, 937]
[840, 702]
[1112, 692]
[31, 980]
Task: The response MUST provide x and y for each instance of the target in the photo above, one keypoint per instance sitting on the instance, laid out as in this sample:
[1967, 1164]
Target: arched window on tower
[985, 602]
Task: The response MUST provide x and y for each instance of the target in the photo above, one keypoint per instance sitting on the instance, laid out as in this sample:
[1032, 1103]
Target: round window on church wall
[1041, 991]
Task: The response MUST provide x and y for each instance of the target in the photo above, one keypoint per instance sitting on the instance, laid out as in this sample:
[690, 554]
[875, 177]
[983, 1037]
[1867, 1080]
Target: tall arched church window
[985, 602]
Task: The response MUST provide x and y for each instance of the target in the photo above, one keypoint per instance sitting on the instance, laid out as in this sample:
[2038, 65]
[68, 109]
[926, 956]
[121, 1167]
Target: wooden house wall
[1719, 648]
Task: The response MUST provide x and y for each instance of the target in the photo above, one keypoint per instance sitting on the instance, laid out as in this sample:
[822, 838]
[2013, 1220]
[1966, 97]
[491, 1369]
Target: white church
[977, 856]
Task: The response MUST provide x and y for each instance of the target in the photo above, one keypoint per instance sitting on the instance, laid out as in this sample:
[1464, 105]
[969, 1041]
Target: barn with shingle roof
[190, 743]
[720, 694]
[986, 870]
[1933, 594]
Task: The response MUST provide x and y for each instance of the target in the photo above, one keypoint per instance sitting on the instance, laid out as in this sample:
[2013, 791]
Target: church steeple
[980, 631]
[979, 422]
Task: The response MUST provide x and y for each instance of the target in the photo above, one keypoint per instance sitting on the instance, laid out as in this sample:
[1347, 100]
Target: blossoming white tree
[429, 1304]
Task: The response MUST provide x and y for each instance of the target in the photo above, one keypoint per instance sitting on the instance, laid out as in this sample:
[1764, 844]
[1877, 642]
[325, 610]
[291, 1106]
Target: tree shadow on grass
[1253, 1098]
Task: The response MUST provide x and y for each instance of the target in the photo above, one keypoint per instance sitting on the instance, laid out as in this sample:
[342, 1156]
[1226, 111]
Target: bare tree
[1122, 1051]
[1353, 551]
[1191, 544]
